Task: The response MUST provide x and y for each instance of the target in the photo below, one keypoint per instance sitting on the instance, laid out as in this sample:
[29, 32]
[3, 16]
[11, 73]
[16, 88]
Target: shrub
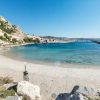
[27, 39]
[14, 40]
[5, 80]
[5, 27]
[1, 37]
[36, 40]
[5, 93]
[7, 37]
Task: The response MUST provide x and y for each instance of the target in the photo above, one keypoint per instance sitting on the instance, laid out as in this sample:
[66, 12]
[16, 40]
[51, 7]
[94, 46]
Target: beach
[52, 79]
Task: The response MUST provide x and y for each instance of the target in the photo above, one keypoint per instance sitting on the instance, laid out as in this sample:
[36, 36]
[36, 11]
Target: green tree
[7, 37]
[1, 37]
[36, 40]
[27, 39]
[14, 40]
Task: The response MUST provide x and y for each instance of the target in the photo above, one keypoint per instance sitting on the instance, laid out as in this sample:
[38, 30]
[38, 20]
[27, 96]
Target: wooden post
[25, 75]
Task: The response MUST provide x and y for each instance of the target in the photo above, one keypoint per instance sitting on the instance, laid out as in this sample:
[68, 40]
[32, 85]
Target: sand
[52, 79]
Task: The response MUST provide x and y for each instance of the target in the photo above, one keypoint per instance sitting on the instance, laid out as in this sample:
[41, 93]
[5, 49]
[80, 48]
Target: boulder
[13, 98]
[90, 93]
[10, 86]
[67, 96]
[80, 93]
[28, 90]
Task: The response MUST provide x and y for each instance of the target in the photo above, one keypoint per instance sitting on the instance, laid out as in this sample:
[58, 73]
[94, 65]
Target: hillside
[12, 34]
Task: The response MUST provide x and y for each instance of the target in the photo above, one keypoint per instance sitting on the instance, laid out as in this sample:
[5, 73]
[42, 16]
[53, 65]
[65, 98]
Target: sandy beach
[51, 79]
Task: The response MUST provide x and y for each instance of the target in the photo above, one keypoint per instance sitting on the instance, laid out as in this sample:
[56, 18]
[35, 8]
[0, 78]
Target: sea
[80, 52]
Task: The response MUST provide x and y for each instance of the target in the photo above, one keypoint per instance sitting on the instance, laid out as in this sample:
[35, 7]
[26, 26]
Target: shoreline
[45, 62]
[51, 79]
[23, 44]
[57, 63]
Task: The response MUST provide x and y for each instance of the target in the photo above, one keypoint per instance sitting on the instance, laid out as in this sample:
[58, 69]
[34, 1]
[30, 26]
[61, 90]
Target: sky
[61, 18]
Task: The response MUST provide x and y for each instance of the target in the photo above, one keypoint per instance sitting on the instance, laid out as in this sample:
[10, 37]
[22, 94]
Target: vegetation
[3, 92]
[29, 40]
[6, 28]
[7, 37]
[14, 26]
[20, 42]
[5, 80]
[7, 92]
[10, 30]
[3, 38]
[14, 40]
[36, 40]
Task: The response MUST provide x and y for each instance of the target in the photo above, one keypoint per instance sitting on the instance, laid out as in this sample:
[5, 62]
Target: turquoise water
[76, 52]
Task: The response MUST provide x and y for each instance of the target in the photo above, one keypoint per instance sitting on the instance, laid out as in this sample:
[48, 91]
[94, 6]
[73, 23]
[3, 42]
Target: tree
[36, 40]
[7, 37]
[3, 38]
[14, 40]
[14, 26]
[27, 39]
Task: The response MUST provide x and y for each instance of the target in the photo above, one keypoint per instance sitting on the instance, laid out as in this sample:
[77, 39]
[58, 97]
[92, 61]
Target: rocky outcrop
[30, 91]
[11, 86]
[13, 98]
[22, 90]
[80, 93]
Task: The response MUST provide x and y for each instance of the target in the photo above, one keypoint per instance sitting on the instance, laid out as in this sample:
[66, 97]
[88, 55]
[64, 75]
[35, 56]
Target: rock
[75, 88]
[90, 93]
[13, 98]
[80, 93]
[62, 96]
[82, 97]
[68, 96]
[11, 86]
[30, 91]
